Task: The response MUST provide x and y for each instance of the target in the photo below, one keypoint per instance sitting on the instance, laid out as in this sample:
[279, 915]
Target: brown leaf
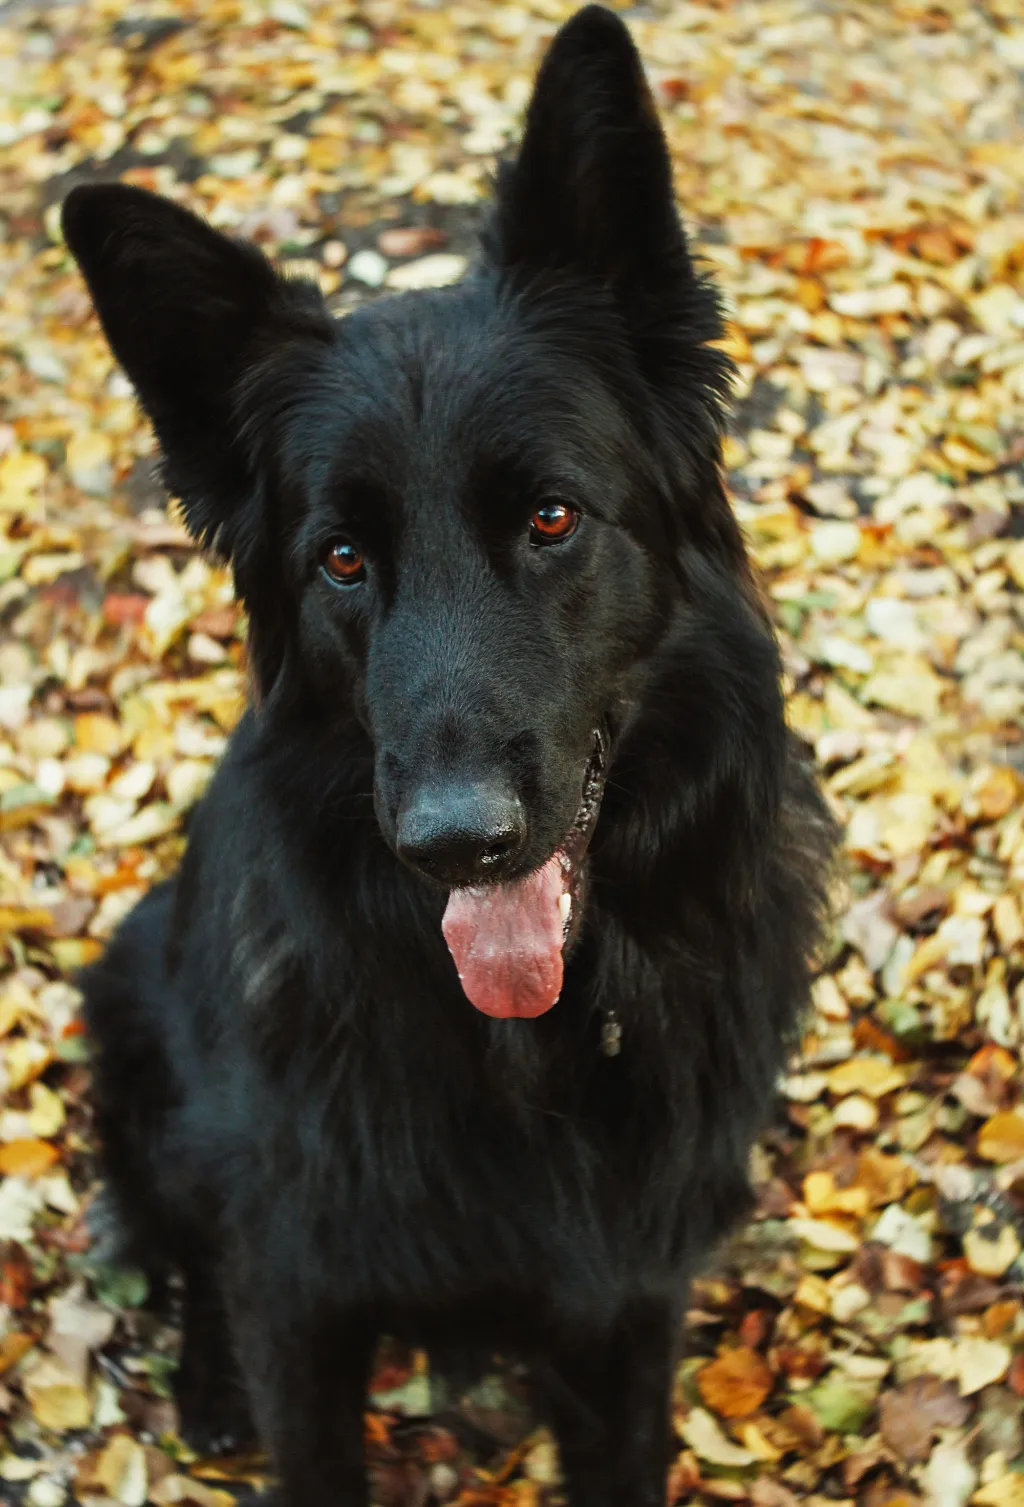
[912, 1415]
[767, 1492]
[15, 1276]
[120, 607]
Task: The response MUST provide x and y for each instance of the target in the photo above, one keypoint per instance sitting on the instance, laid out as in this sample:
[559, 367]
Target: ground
[853, 172]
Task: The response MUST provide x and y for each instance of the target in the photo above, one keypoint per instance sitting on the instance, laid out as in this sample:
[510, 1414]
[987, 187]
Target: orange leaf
[737, 1383]
[871, 1037]
[16, 1280]
[17, 918]
[886, 1178]
[937, 246]
[124, 607]
[1001, 1139]
[12, 1348]
[27, 1158]
[734, 343]
[993, 1060]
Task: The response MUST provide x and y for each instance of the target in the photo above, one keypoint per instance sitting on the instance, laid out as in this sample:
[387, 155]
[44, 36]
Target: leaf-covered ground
[853, 171]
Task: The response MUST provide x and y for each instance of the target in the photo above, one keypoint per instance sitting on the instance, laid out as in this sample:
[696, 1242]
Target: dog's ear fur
[590, 192]
[189, 314]
[589, 202]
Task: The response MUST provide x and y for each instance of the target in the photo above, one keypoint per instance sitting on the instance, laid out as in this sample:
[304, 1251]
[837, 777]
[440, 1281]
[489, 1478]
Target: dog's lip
[575, 843]
[572, 850]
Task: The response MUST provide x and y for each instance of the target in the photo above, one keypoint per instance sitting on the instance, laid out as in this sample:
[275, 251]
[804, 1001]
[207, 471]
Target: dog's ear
[189, 314]
[591, 189]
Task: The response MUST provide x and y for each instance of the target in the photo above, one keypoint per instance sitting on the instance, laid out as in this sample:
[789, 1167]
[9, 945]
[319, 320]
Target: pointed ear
[189, 314]
[591, 189]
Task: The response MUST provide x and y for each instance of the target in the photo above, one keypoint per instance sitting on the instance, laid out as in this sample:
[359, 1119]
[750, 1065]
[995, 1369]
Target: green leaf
[842, 1404]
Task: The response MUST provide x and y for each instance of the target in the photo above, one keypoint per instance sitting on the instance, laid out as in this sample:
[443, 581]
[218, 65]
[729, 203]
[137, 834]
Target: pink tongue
[506, 940]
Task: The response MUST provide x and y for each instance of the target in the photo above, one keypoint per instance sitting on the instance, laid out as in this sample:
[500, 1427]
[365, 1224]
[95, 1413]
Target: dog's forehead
[457, 374]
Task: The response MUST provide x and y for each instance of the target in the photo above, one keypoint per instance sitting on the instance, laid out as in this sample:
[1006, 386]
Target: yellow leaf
[734, 343]
[755, 1441]
[22, 473]
[813, 1292]
[98, 734]
[45, 1110]
[12, 1347]
[72, 953]
[1007, 922]
[1005, 1491]
[18, 918]
[872, 1076]
[27, 1059]
[173, 1489]
[57, 1401]
[705, 1436]
[991, 1248]
[906, 820]
[1001, 1139]
[121, 1470]
[980, 1362]
[28, 1158]
[913, 694]
[823, 1197]
[994, 793]
[824, 1235]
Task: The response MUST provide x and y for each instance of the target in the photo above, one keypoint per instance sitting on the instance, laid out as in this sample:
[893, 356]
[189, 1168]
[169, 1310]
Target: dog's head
[460, 517]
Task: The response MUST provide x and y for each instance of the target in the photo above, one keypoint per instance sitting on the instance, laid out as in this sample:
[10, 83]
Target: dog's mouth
[507, 940]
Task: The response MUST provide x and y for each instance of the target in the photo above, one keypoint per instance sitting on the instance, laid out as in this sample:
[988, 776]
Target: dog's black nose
[462, 834]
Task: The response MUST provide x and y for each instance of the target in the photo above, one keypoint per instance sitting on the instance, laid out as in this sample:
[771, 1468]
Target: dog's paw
[215, 1427]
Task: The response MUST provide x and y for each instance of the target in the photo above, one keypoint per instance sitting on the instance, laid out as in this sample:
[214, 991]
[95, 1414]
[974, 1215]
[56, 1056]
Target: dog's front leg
[608, 1397]
[307, 1377]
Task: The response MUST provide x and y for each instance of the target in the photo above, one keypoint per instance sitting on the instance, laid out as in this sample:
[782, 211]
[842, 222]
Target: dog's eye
[343, 564]
[552, 522]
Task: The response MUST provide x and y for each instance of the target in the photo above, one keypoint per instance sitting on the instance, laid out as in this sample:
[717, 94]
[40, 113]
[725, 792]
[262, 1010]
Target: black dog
[518, 722]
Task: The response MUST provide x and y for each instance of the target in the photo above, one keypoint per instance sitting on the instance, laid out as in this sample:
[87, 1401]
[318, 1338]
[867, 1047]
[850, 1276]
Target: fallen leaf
[843, 1404]
[77, 1328]
[1004, 1491]
[27, 1158]
[1001, 1139]
[872, 1076]
[980, 1362]
[911, 1416]
[736, 1383]
[706, 1438]
[949, 1477]
[57, 1399]
[121, 1471]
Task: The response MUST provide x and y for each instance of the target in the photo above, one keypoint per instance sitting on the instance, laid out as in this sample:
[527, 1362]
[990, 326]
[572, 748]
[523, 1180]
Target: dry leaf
[1004, 1491]
[27, 1158]
[912, 1416]
[1001, 1139]
[121, 1471]
[706, 1438]
[871, 1076]
[736, 1383]
[57, 1399]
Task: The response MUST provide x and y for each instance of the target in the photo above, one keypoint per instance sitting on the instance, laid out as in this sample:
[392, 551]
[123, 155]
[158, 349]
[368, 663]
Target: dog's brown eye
[552, 522]
[344, 563]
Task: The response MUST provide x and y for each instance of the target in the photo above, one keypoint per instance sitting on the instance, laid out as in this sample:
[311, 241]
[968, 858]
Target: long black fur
[299, 1108]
